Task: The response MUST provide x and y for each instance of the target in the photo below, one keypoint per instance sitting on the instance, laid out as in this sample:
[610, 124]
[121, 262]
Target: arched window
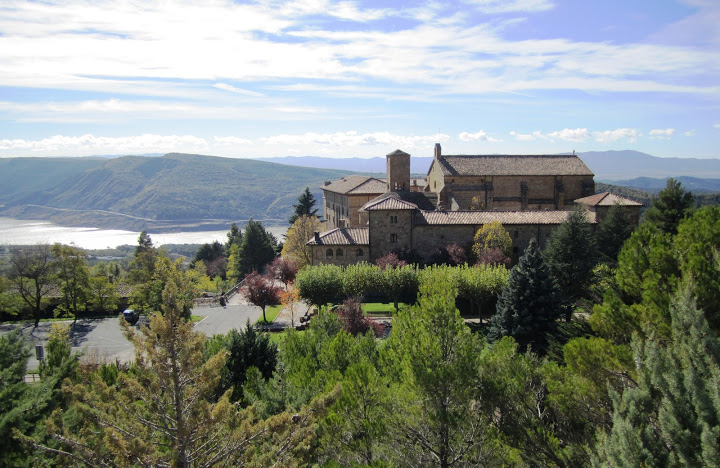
[359, 253]
[329, 253]
[339, 253]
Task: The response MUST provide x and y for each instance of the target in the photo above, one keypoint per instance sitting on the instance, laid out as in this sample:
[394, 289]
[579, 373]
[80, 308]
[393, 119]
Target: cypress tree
[529, 305]
[257, 248]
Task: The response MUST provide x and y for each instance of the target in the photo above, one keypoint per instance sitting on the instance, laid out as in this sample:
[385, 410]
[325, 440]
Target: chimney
[438, 151]
[317, 237]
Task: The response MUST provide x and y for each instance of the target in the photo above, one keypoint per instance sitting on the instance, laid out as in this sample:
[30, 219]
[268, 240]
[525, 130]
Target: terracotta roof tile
[349, 183]
[402, 200]
[485, 217]
[607, 199]
[369, 187]
[342, 236]
[499, 164]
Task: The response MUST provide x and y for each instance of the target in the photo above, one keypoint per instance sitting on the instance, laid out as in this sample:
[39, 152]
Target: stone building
[529, 195]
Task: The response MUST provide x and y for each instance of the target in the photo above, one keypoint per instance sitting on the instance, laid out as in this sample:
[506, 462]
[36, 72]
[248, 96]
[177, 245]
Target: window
[517, 233]
[339, 253]
[393, 237]
[329, 253]
[359, 253]
[393, 219]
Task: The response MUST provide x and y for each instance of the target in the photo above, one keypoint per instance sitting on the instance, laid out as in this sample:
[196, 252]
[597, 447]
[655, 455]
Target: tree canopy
[305, 206]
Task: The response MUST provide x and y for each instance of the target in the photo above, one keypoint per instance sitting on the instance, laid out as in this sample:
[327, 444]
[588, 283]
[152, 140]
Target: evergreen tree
[671, 205]
[304, 207]
[257, 248]
[570, 255]
[529, 305]
[234, 238]
[434, 359]
[246, 348]
[612, 232]
[672, 417]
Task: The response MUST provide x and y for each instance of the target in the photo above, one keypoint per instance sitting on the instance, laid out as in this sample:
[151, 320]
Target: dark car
[131, 316]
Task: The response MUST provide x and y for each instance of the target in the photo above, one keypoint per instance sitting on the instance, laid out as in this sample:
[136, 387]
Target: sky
[359, 78]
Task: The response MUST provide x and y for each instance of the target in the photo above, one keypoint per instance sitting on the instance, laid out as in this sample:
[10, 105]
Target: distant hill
[22, 176]
[607, 165]
[654, 185]
[176, 190]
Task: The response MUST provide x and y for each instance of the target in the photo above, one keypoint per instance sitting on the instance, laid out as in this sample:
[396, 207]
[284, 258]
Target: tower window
[393, 237]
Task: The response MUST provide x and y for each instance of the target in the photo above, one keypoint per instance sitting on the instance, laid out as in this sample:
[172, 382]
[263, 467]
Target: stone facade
[529, 195]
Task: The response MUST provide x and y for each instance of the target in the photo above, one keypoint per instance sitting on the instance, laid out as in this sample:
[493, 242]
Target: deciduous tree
[32, 272]
[260, 291]
[73, 277]
[302, 230]
[492, 236]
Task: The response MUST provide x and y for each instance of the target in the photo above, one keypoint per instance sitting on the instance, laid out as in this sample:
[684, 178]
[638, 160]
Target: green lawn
[378, 308]
[271, 313]
[196, 318]
[279, 338]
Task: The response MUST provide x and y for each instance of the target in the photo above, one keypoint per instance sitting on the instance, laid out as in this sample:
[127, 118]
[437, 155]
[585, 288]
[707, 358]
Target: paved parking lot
[103, 340]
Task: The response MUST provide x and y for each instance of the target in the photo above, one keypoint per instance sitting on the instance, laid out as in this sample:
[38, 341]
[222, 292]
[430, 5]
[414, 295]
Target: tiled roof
[607, 199]
[369, 187]
[523, 165]
[397, 152]
[348, 183]
[402, 200]
[485, 217]
[342, 236]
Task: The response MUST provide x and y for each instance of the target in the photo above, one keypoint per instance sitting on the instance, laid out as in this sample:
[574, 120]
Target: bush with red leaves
[494, 256]
[355, 322]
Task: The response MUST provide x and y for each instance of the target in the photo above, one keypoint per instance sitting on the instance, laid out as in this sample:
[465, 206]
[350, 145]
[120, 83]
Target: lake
[25, 232]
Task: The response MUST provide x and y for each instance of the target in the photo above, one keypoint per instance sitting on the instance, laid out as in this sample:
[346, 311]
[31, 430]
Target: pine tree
[570, 255]
[612, 233]
[305, 206]
[671, 205]
[529, 305]
[672, 417]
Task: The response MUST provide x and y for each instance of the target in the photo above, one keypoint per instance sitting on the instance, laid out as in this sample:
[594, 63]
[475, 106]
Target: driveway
[102, 340]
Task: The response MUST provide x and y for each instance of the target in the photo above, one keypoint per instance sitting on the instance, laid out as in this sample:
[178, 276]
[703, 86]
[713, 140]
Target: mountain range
[607, 165]
[172, 192]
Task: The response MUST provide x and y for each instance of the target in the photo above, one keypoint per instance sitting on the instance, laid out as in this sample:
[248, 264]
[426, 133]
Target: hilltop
[181, 191]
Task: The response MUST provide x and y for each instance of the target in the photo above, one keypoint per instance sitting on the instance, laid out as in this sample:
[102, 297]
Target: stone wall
[342, 255]
[389, 230]
[335, 207]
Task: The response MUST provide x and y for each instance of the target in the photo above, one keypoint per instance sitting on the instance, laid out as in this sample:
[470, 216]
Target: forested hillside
[176, 188]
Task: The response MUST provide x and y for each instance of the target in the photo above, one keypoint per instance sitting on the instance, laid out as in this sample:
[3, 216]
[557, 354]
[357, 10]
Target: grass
[271, 313]
[196, 318]
[378, 308]
[279, 338]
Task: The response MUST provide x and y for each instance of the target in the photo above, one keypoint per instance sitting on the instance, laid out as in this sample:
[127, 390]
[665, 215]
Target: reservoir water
[25, 232]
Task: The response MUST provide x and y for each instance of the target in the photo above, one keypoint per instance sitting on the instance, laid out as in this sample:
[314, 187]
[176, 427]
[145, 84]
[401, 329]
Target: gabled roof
[607, 199]
[522, 165]
[342, 236]
[398, 152]
[401, 200]
[504, 217]
[347, 184]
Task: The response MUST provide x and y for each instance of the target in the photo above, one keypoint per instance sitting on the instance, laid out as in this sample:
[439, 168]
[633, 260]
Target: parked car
[131, 316]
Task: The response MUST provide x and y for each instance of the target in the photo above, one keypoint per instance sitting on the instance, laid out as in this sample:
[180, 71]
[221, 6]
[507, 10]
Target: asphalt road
[102, 340]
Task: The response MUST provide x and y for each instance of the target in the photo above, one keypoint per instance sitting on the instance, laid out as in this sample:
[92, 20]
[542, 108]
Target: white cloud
[479, 135]
[717, 125]
[90, 144]
[611, 136]
[580, 135]
[233, 89]
[231, 140]
[690, 133]
[567, 134]
[506, 6]
[662, 134]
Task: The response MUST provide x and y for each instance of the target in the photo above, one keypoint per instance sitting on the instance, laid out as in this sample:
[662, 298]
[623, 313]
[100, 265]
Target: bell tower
[398, 171]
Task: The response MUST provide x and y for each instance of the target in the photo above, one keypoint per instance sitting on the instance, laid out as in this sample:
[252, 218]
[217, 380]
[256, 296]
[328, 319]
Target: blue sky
[359, 79]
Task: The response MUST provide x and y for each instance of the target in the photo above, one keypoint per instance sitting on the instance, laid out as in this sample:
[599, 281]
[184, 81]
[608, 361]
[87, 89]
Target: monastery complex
[531, 195]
